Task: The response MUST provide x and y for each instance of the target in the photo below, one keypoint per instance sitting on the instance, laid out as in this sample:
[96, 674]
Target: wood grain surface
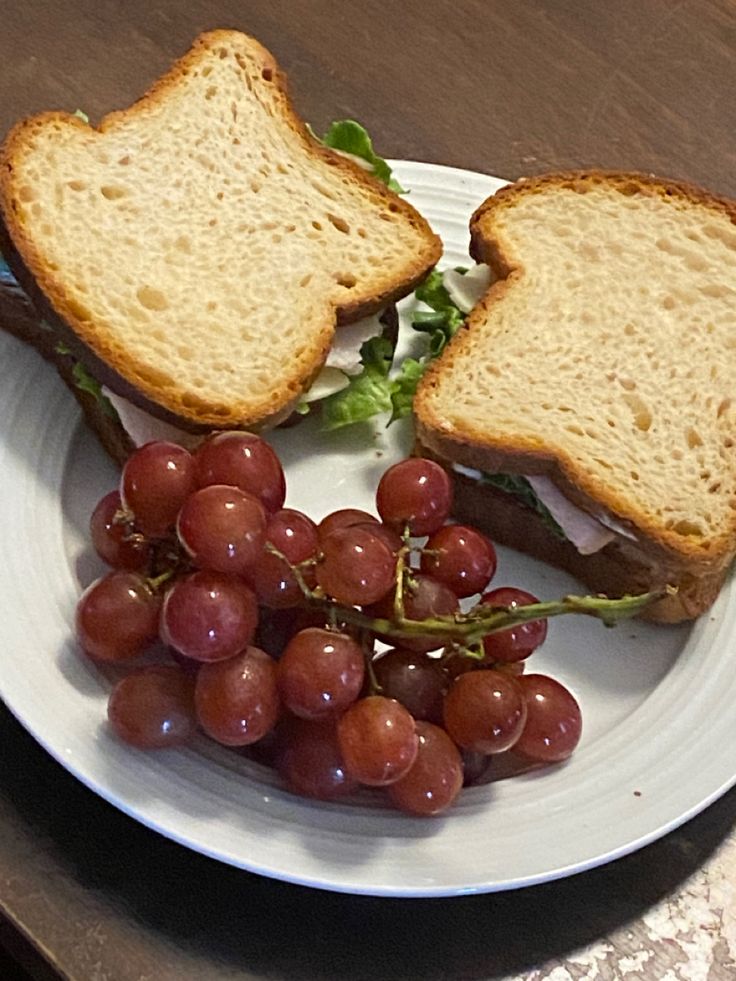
[505, 88]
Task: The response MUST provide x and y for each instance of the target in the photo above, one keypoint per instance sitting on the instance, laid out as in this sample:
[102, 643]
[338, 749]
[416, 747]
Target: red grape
[276, 627]
[355, 566]
[114, 537]
[518, 642]
[416, 493]
[434, 779]
[222, 528]
[237, 700]
[477, 767]
[424, 598]
[155, 482]
[344, 518]
[386, 534]
[457, 663]
[242, 460]
[415, 680]
[117, 616]
[378, 740]
[554, 722]
[460, 557]
[295, 536]
[485, 711]
[153, 707]
[320, 673]
[293, 533]
[209, 616]
[310, 761]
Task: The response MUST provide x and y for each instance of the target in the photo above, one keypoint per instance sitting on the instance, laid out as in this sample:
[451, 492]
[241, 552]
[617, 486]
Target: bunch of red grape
[269, 624]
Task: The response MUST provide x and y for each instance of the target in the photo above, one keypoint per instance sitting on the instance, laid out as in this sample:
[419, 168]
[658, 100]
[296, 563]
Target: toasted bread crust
[111, 362]
[477, 448]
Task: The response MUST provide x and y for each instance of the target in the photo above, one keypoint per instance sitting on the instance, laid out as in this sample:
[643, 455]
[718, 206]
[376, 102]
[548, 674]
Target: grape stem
[469, 629]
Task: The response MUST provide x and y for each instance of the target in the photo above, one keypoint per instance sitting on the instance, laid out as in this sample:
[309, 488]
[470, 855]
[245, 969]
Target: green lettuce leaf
[368, 393]
[440, 323]
[443, 320]
[81, 115]
[86, 383]
[350, 137]
[520, 488]
[403, 388]
[373, 391]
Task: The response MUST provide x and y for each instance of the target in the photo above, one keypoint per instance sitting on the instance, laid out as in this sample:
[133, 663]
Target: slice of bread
[200, 247]
[604, 359]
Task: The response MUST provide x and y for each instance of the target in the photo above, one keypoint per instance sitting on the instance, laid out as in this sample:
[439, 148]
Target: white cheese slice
[142, 427]
[360, 161]
[466, 289]
[327, 382]
[347, 342]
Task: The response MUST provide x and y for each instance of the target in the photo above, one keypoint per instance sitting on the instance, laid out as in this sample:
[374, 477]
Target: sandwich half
[587, 409]
[197, 252]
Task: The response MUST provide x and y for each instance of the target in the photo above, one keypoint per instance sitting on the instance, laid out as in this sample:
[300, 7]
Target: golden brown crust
[109, 361]
[475, 447]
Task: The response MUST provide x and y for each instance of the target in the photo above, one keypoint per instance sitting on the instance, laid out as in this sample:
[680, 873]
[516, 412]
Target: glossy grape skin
[294, 535]
[485, 711]
[423, 598]
[310, 762]
[242, 460]
[320, 673]
[153, 707]
[155, 482]
[434, 779]
[554, 721]
[117, 616]
[222, 529]
[378, 740]
[237, 700]
[115, 540]
[518, 642]
[382, 531]
[461, 558]
[416, 493]
[355, 567]
[415, 680]
[209, 616]
[343, 518]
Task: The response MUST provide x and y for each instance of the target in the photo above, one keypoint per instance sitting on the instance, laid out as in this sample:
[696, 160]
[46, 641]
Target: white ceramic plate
[658, 702]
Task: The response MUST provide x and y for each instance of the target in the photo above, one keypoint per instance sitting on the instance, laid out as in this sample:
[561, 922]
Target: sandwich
[586, 409]
[197, 257]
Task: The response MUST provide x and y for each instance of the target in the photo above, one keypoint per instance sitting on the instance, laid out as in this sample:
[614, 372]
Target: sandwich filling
[588, 533]
[343, 362]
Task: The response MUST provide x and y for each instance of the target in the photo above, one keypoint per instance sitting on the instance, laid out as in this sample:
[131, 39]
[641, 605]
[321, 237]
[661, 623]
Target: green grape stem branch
[469, 628]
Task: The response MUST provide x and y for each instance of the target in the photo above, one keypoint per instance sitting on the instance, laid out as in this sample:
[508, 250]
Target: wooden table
[506, 88]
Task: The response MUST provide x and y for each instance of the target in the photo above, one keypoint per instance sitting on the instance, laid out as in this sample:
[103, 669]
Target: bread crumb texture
[202, 242]
[608, 355]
